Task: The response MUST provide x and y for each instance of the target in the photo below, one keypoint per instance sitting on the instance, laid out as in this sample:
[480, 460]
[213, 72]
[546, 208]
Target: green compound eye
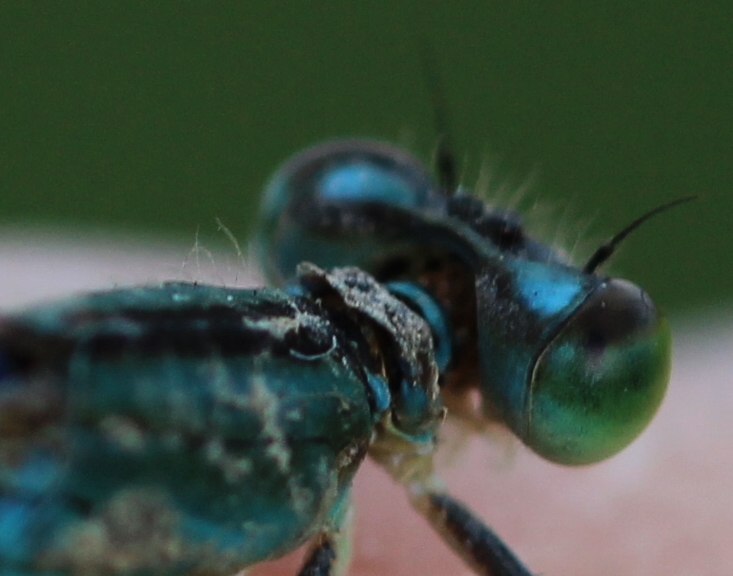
[600, 380]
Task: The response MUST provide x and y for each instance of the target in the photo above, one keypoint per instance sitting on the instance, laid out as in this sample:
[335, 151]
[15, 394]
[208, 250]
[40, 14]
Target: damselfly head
[599, 380]
[575, 363]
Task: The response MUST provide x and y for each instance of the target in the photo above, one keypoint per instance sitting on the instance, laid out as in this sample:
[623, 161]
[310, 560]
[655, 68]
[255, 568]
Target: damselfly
[193, 429]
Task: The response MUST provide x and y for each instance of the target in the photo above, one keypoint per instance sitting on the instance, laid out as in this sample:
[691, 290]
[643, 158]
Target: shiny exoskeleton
[186, 429]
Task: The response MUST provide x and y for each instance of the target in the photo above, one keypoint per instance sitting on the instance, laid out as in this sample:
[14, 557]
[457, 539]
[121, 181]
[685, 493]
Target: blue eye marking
[360, 182]
[186, 429]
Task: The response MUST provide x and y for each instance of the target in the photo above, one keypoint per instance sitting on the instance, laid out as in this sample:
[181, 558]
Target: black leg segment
[321, 560]
[475, 542]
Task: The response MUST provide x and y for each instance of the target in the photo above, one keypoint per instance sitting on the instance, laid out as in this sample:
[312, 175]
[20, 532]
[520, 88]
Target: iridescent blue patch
[547, 289]
[363, 183]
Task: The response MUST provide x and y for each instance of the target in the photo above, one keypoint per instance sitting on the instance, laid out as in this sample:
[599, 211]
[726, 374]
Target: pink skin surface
[664, 506]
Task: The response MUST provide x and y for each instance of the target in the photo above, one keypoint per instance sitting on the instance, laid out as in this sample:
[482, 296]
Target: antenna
[606, 250]
[445, 160]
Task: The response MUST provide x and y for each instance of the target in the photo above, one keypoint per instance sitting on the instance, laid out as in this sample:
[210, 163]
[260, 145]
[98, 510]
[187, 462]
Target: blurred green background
[160, 116]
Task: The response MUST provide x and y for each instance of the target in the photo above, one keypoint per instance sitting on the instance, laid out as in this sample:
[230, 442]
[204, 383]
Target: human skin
[662, 506]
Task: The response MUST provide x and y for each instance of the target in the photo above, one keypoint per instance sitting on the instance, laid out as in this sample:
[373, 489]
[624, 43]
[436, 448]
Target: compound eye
[601, 379]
